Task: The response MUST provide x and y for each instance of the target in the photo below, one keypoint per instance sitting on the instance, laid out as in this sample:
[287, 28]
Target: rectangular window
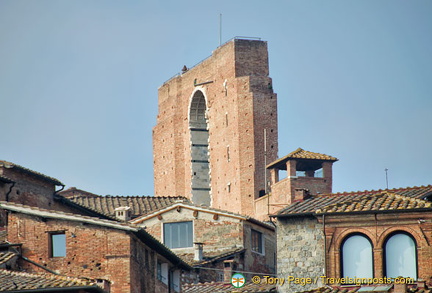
[257, 242]
[58, 244]
[178, 235]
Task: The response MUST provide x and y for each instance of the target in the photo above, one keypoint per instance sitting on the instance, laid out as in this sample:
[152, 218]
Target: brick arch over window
[349, 231]
[200, 158]
[418, 237]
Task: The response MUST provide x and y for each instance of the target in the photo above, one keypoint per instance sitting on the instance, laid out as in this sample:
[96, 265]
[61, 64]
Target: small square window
[178, 235]
[58, 244]
[257, 242]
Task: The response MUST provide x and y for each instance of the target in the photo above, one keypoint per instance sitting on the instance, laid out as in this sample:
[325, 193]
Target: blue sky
[79, 80]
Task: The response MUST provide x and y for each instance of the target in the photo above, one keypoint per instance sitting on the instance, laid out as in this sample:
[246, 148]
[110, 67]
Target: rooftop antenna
[386, 176]
[220, 29]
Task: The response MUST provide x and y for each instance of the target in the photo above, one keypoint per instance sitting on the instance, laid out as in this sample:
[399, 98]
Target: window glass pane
[257, 241]
[357, 257]
[177, 235]
[58, 242]
[400, 253]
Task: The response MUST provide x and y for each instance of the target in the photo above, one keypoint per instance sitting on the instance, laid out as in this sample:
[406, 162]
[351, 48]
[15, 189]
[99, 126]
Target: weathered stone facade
[301, 254]
[210, 129]
[219, 232]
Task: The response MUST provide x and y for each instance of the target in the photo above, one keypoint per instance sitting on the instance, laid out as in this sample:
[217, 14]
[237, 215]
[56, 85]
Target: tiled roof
[6, 256]
[366, 289]
[320, 202]
[385, 201]
[12, 281]
[302, 154]
[332, 290]
[209, 257]
[227, 287]
[10, 165]
[140, 205]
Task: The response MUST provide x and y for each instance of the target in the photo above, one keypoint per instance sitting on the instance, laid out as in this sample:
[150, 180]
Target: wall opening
[200, 172]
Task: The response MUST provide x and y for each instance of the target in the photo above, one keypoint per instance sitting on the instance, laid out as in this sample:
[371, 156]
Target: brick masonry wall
[28, 189]
[240, 104]
[91, 251]
[218, 235]
[300, 250]
[378, 228]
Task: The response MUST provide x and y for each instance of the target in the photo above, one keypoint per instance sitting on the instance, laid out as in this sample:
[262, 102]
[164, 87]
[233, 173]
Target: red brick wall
[378, 228]
[91, 251]
[247, 104]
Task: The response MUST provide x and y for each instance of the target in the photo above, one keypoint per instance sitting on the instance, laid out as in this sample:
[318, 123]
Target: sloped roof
[213, 256]
[203, 209]
[366, 288]
[385, 201]
[301, 154]
[140, 205]
[12, 281]
[145, 237]
[321, 202]
[7, 256]
[10, 165]
[227, 287]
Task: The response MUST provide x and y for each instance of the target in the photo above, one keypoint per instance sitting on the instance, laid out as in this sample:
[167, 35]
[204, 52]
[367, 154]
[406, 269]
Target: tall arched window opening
[357, 259]
[200, 172]
[401, 256]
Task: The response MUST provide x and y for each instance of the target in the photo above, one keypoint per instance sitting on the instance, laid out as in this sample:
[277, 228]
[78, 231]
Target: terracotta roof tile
[10, 165]
[209, 257]
[385, 201]
[7, 256]
[140, 205]
[12, 281]
[302, 154]
[320, 202]
[226, 287]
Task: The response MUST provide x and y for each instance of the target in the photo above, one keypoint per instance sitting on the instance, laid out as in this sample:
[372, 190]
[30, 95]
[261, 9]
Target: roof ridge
[376, 190]
[350, 202]
[8, 164]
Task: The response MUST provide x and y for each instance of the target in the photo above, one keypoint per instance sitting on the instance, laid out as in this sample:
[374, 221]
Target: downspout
[39, 265]
[325, 246]
[10, 190]
[7, 199]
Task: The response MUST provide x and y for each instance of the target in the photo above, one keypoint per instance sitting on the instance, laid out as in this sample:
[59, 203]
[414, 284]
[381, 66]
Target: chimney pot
[198, 256]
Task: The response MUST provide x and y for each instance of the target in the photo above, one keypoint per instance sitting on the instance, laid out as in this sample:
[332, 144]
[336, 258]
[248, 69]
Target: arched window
[200, 172]
[401, 256]
[357, 260]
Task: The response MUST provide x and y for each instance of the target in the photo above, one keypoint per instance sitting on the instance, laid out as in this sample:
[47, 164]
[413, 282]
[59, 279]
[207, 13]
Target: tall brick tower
[208, 143]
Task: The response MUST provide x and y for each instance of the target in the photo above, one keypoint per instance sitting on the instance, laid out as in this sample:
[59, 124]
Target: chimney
[300, 194]
[399, 288]
[228, 270]
[198, 251]
[123, 214]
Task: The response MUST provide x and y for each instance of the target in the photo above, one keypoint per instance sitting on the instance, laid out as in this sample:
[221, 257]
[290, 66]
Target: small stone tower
[208, 143]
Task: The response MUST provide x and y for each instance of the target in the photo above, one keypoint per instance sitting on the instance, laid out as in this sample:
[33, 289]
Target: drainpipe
[10, 190]
[325, 247]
